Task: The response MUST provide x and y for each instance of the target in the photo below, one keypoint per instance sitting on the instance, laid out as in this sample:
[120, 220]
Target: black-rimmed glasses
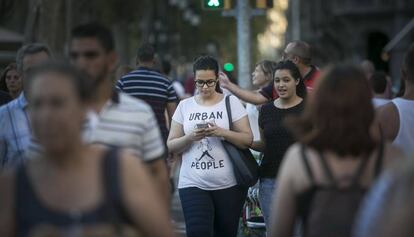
[209, 83]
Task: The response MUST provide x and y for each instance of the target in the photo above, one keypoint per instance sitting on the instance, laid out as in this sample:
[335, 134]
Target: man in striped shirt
[148, 84]
[116, 118]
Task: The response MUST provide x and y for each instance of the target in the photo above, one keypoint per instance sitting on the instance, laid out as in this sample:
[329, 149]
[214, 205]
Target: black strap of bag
[244, 165]
[228, 108]
[358, 173]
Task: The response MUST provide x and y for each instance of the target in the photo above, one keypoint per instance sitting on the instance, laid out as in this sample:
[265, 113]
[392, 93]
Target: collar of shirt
[148, 69]
[309, 75]
[21, 101]
[93, 117]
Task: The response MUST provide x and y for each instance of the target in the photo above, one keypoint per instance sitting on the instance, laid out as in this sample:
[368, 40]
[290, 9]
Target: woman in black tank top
[73, 189]
[324, 178]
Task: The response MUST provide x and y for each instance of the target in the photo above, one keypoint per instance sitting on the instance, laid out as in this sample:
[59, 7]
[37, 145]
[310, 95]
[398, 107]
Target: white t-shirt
[253, 115]
[205, 163]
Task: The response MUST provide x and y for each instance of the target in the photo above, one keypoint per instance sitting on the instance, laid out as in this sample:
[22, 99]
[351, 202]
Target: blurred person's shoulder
[133, 104]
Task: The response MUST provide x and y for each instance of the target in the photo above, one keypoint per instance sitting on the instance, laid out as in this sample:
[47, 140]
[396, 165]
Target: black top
[32, 213]
[278, 138]
[4, 98]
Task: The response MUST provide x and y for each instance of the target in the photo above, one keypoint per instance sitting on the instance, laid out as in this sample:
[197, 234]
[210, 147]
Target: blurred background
[338, 30]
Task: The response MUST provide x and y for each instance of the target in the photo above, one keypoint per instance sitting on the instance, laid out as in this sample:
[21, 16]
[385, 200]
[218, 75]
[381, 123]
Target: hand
[197, 134]
[224, 80]
[213, 130]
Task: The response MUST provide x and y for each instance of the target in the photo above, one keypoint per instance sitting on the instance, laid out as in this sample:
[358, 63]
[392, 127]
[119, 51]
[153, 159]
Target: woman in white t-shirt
[211, 199]
[262, 76]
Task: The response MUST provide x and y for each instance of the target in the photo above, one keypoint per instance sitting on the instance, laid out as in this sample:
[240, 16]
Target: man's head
[408, 66]
[368, 68]
[29, 56]
[146, 54]
[58, 98]
[298, 52]
[92, 51]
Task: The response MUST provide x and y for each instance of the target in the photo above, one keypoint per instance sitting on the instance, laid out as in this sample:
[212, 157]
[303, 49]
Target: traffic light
[229, 67]
[264, 4]
[216, 4]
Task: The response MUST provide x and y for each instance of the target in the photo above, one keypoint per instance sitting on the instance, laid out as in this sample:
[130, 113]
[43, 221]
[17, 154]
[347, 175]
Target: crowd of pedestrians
[85, 154]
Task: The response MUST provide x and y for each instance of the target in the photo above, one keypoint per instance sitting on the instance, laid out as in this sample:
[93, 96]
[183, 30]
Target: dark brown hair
[295, 73]
[10, 67]
[339, 114]
[207, 62]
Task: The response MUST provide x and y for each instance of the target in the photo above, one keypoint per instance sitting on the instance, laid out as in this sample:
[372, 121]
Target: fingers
[212, 131]
[198, 134]
[223, 77]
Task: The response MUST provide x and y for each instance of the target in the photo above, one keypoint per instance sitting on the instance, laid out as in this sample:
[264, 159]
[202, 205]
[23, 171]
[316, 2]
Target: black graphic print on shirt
[206, 161]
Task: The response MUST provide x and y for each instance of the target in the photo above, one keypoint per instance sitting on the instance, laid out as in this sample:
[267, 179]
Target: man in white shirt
[397, 118]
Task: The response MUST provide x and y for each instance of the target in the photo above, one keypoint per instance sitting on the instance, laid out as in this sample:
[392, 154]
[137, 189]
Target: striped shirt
[152, 87]
[124, 121]
[127, 122]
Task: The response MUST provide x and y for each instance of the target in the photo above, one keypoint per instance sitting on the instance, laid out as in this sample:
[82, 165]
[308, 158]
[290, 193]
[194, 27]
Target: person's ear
[295, 60]
[297, 81]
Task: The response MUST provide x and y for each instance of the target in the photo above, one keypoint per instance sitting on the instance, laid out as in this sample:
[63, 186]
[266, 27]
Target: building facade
[354, 30]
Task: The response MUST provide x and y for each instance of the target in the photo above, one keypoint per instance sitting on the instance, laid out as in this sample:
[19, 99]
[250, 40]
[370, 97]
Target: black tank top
[32, 213]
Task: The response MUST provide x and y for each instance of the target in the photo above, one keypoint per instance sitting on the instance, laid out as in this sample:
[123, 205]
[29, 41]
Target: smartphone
[202, 125]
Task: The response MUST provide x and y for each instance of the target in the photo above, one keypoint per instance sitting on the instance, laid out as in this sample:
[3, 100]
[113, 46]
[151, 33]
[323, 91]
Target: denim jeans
[267, 188]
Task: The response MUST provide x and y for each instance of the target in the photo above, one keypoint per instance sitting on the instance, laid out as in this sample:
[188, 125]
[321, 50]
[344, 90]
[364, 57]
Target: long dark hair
[339, 114]
[207, 62]
[10, 67]
[295, 73]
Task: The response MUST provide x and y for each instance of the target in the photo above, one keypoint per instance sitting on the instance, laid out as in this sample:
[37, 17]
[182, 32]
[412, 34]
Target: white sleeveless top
[378, 102]
[405, 136]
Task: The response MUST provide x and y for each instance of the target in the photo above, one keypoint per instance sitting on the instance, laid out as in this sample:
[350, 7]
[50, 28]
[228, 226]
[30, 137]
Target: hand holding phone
[202, 125]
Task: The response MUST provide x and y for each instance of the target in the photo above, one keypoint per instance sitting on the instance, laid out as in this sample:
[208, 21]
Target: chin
[206, 94]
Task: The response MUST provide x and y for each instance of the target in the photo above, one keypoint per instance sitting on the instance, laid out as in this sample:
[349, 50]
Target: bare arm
[259, 145]
[178, 142]
[143, 203]
[241, 137]
[389, 121]
[253, 97]
[158, 170]
[7, 211]
[290, 179]
[171, 107]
